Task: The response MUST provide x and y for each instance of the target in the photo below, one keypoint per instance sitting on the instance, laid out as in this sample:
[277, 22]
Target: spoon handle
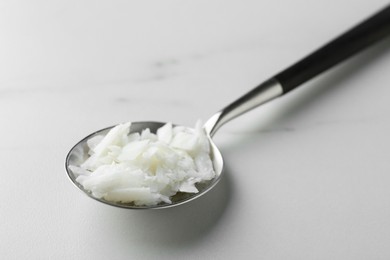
[356, 39]
[346, 45]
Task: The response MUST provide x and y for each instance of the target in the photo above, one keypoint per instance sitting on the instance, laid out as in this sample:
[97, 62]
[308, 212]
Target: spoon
[356, 39]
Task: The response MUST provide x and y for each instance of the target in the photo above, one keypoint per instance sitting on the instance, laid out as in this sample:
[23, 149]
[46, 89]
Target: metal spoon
[366, 33]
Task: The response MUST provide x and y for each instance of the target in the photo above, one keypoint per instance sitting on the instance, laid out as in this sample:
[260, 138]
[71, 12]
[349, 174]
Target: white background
[307, 175]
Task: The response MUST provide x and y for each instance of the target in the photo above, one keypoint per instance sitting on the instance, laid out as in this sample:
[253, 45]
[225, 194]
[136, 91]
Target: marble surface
[307, 175]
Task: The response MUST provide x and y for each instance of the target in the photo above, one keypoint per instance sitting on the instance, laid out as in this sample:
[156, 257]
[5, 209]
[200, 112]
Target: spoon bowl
[79, 153]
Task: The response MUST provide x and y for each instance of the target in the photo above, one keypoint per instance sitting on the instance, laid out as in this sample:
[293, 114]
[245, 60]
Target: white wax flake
[146, 168]
[165, 133]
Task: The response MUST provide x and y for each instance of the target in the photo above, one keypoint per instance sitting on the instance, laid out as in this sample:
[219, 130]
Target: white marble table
[307, 177]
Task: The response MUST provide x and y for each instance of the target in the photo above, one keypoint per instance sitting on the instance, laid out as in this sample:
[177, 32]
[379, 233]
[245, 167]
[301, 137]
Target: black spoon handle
[364, 34]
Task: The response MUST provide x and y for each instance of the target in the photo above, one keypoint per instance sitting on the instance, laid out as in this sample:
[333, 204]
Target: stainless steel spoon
[366, 33]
